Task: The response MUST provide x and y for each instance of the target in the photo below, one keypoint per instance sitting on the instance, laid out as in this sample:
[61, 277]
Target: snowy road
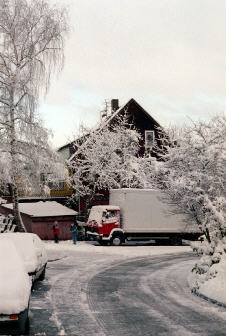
[83, 295]
[150, 297]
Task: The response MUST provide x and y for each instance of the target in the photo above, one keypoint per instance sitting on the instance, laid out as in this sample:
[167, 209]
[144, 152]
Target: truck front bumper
[93, 235]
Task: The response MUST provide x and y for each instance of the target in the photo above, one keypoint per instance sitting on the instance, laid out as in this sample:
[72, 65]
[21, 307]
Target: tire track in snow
[151, 297]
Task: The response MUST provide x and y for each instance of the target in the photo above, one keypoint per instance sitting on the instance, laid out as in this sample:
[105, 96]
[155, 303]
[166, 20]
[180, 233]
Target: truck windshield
[95, 215]
[112, 213]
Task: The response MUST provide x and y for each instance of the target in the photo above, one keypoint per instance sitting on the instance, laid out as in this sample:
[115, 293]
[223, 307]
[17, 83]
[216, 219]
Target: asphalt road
[148, 296]
[151, 297]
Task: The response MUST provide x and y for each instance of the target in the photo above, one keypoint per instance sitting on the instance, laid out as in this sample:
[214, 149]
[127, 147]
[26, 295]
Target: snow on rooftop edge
[43, 209]
[107, 207]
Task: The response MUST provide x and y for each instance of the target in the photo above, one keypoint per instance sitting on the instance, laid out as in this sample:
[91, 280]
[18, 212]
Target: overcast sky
[170, 55]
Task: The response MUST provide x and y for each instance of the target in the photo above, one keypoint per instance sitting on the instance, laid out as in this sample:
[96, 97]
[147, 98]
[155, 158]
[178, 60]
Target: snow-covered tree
[192, 171]
[32, 37]
[107, 158]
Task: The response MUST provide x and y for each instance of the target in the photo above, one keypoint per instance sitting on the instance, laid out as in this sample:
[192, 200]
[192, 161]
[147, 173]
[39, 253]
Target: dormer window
[149, 139]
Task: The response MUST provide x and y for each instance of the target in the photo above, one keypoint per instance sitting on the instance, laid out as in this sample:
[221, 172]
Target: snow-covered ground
[65, 301]
[214, 288]
[132, 250]
[69, 271]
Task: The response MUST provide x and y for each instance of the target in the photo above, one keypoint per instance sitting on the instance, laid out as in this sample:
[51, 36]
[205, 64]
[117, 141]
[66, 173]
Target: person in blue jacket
[74, 232]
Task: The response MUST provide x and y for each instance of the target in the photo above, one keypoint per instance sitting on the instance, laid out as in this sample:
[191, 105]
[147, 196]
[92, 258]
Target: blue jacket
[73, 229]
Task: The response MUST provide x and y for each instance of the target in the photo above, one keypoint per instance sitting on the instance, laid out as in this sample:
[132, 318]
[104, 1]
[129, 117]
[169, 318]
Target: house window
[149, 139]
[60, 185]
[6, 191]
[56, 186]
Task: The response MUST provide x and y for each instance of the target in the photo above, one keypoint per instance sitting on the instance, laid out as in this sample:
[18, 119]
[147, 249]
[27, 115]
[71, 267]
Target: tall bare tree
[32, 35]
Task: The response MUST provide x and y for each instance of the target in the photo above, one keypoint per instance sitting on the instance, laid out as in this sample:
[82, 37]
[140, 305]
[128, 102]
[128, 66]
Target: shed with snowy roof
[38, 217]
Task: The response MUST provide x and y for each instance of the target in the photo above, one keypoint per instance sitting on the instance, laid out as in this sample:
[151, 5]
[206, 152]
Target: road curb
[220, 304]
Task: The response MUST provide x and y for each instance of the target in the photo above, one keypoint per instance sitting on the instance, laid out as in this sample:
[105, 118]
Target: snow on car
[15, 289]
[32, 250]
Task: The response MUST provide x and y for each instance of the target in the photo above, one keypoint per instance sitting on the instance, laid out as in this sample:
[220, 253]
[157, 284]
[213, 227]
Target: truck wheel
[176, 241]
[116, 241]
[163, 242]
[103, 242]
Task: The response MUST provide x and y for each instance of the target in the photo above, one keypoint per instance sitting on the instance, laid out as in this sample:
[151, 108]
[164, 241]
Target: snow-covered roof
[96, 212]
[43, 209]
[112, 116]
[117, 112]
[2, 201]
[132, 190]
[106, 207]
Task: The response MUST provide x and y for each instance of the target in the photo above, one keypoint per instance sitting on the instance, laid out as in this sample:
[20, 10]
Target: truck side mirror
[105, 215]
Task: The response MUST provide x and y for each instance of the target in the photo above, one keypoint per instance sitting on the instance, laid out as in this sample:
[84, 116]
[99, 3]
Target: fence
[7, 224]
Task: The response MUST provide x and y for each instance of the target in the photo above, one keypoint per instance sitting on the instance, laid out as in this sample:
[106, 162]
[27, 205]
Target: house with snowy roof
[145, 124]
[137, 116]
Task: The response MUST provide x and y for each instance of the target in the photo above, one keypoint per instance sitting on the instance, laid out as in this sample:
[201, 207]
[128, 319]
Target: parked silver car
[32, 251]
[15, 289]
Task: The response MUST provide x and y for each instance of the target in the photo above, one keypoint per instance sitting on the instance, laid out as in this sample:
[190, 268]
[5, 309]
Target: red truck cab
[103, 221]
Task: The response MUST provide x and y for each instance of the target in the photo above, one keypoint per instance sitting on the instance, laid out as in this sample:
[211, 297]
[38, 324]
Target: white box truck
[139, 214]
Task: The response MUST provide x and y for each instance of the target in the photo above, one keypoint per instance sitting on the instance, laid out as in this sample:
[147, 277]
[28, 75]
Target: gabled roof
[115, 114]
[123, 108]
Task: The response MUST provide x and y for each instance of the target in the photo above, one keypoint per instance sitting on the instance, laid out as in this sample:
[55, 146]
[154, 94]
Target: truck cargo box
[149, 210]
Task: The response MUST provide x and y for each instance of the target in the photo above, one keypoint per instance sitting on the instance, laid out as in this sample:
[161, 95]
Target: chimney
[114, 105]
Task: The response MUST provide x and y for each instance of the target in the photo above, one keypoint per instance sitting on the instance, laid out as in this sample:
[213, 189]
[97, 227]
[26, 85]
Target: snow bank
[43, 209]
[215, 288]
[210, 281]
[15, 285]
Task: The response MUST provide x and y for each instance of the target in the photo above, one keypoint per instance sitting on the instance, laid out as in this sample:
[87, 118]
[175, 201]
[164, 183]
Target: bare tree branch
[32, 38]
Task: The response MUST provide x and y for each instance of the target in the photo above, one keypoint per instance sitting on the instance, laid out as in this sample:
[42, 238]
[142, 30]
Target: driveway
[107, 294]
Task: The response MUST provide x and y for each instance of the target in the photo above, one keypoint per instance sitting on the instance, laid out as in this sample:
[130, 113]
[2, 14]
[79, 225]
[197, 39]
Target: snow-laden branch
[31, 49]
[192, 171]
[107, 158]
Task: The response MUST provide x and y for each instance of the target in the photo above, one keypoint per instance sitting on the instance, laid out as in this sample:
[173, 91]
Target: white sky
[170, 55]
